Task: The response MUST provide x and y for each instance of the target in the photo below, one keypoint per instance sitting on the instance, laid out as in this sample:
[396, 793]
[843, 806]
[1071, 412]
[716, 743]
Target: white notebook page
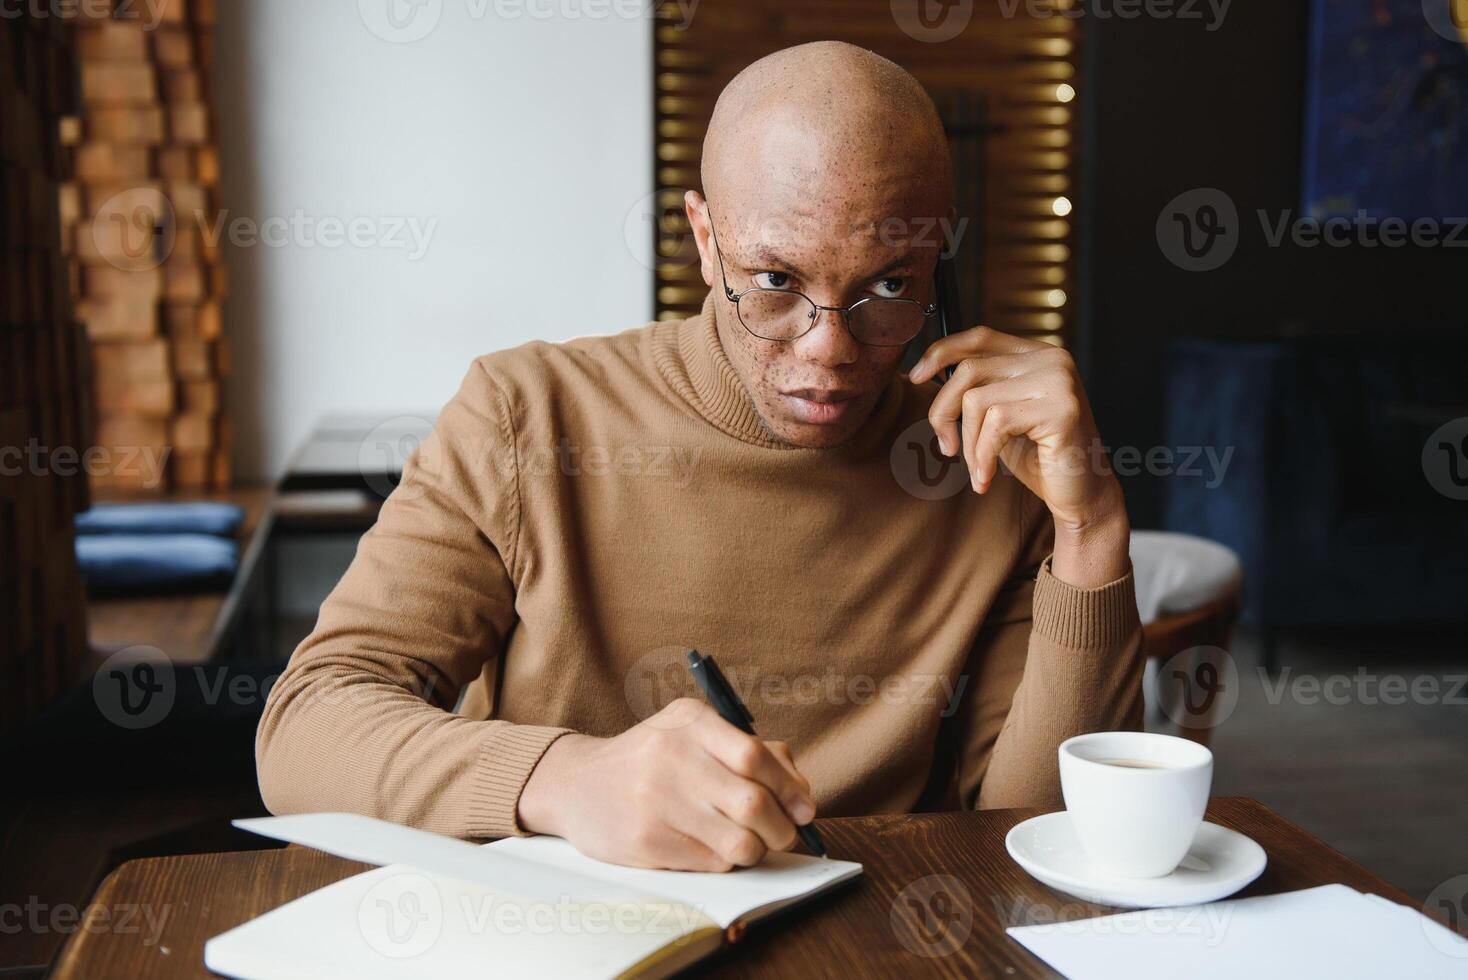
[722, 896]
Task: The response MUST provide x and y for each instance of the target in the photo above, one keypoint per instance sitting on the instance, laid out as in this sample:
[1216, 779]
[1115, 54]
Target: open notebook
[531, 907]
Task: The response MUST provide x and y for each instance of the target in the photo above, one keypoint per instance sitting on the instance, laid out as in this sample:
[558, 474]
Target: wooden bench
[193, 628]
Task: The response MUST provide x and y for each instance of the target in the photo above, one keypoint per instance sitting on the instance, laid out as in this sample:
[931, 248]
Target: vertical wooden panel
[42, 433]
[148, 283]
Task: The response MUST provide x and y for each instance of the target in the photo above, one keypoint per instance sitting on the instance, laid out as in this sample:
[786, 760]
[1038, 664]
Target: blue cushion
[114, 564]
[184, 517]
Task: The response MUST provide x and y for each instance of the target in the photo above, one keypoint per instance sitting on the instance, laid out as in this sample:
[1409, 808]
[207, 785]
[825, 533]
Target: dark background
[1171, 107]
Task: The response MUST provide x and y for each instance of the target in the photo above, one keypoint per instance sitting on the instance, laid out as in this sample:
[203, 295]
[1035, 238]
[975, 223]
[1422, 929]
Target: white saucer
[1220, 862]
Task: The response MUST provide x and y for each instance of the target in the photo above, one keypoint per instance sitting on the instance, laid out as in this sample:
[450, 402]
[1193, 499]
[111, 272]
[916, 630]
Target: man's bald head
[826, 173]
[824, 102]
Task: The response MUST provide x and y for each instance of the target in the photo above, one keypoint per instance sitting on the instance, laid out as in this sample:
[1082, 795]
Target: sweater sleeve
[1051, 661]
[361, 719]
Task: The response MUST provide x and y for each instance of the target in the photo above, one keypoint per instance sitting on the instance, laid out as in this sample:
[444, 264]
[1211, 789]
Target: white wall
[518, 145]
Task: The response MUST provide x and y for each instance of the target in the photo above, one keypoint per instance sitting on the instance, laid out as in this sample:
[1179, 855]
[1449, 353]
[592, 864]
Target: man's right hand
[684, 790]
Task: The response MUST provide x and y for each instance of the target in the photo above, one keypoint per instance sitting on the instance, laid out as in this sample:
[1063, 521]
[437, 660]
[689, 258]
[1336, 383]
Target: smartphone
[948, 314]
[950, 317]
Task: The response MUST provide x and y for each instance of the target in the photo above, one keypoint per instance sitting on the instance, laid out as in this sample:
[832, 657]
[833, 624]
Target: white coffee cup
[1136, 799]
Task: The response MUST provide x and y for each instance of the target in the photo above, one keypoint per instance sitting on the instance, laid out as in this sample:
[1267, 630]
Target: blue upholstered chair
[1332, 498]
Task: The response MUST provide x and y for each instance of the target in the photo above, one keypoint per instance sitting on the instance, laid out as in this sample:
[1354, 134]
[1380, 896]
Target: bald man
[505, 653]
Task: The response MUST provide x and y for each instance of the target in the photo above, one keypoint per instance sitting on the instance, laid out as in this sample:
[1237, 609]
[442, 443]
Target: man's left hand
[1021, 401]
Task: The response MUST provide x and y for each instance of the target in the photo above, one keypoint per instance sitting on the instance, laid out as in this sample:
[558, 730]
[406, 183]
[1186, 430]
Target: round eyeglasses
[785, 314]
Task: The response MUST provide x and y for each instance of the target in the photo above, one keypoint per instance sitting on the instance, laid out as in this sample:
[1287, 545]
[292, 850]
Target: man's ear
[698, 219]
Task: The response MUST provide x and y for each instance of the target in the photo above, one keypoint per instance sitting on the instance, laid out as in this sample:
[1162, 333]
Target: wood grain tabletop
[937, 894]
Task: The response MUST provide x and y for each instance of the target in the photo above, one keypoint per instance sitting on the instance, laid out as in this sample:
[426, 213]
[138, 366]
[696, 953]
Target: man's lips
[816, 406]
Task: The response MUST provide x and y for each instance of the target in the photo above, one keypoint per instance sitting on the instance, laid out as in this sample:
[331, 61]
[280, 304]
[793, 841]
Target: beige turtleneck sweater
[584, 513]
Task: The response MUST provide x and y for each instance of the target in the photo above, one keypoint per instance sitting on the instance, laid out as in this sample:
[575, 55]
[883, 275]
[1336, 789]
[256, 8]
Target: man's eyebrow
[898, 264]
[767, 257]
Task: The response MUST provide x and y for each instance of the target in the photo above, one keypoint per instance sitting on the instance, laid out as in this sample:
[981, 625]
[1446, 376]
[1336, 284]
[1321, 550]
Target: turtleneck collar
[691, 357]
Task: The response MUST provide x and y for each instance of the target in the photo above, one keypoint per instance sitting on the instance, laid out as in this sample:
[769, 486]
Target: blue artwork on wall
[1386, 115]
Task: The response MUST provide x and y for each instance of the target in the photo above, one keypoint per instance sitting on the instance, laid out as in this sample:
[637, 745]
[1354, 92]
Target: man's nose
[828, 342]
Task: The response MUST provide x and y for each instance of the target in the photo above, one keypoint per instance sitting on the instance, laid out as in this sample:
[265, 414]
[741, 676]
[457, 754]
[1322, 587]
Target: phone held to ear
[950, 317]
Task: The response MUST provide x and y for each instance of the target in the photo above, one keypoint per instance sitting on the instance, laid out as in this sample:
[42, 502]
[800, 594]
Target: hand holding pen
[725, 699]
[683, 790]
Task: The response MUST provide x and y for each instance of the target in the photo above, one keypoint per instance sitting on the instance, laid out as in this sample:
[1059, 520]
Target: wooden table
[356, 452]
[848, 934]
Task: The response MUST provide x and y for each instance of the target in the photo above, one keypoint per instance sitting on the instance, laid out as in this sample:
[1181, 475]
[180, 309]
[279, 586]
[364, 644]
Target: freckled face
[839, 228]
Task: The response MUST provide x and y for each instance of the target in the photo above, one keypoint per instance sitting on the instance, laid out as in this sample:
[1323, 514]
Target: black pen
[726, 702]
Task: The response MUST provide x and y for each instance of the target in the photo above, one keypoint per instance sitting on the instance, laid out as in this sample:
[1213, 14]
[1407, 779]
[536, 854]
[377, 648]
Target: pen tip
[693, 658]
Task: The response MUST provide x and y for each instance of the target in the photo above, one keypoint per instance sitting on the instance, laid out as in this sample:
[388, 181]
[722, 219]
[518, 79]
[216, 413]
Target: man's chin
[816, 427]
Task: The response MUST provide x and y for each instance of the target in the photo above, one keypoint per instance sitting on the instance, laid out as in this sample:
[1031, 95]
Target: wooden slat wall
[42, 352]
[1021, 69]
[149, 281]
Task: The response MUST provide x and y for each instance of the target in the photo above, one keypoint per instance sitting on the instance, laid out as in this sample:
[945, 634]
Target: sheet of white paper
[1330, 931]
[723, 897]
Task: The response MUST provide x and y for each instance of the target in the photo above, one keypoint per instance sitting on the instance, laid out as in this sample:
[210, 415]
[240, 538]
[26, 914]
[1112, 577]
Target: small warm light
[1064, 92]
[1056, 297]
[1061, 206]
